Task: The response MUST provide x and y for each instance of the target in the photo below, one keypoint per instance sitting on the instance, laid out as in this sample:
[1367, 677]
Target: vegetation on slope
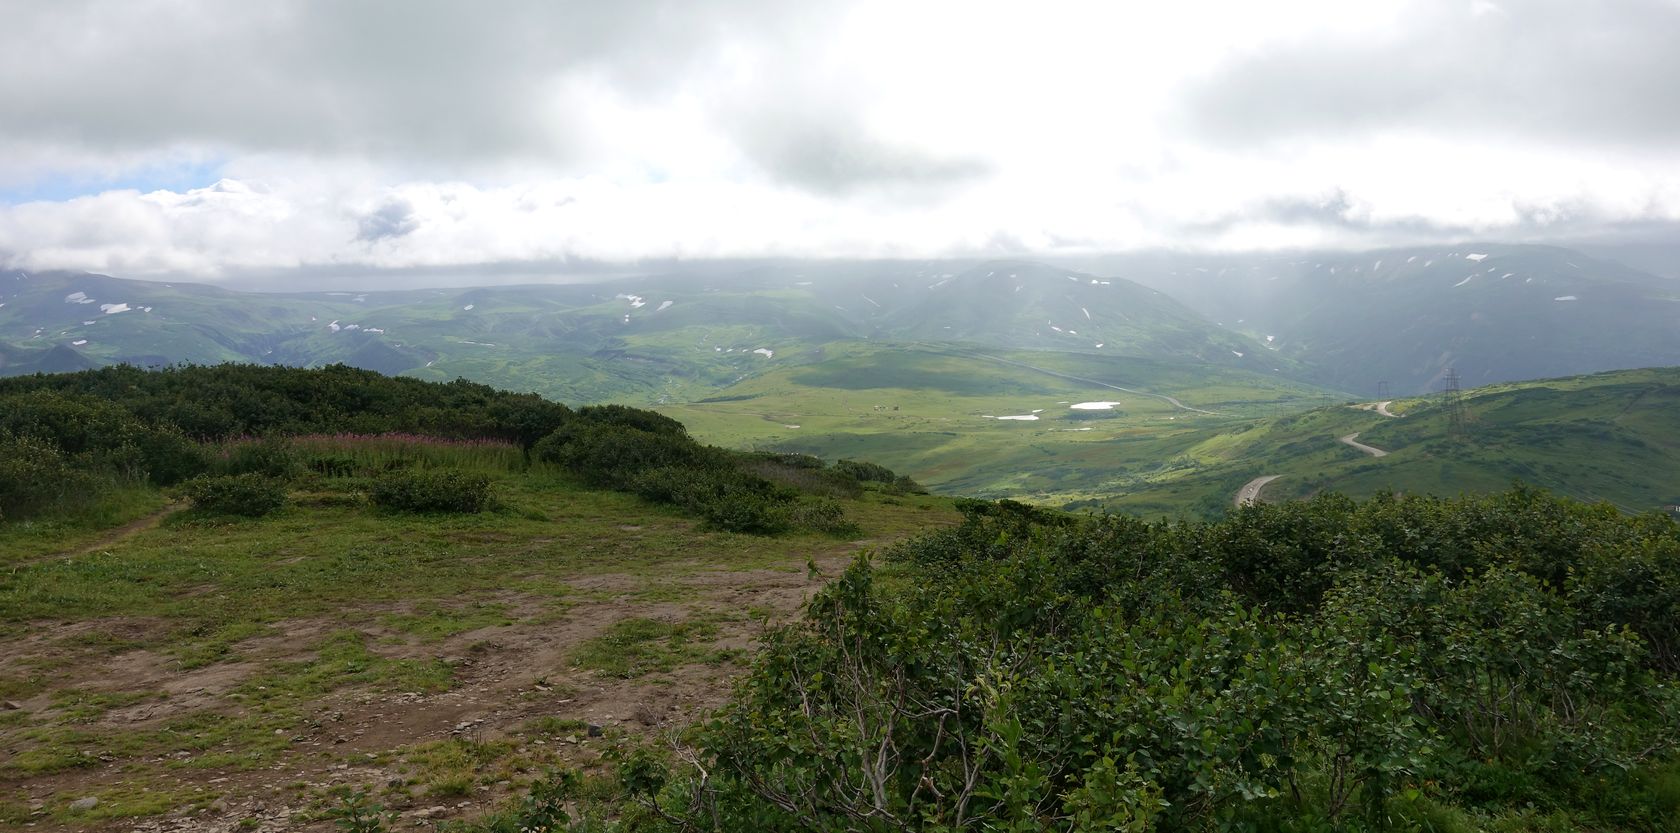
[1506, 662]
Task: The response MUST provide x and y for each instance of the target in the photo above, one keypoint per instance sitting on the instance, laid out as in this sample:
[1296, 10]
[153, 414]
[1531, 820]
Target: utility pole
[1453, 400]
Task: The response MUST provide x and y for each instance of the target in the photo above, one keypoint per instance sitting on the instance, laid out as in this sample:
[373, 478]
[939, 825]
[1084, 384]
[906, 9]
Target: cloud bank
[418, 135]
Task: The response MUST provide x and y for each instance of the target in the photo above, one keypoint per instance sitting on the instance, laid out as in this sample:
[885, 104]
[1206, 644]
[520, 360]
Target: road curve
[1382, 408]
[1250, 492]
[1353, 440]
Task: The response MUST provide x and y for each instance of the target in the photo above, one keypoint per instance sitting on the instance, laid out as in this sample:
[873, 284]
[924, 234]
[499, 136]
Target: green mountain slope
[1611, 436]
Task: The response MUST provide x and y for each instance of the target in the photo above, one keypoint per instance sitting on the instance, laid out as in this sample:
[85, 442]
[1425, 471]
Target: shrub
[613, 455]
[439, 490]
[251, 495]
[35, 475]
[864, 472]
[270, 457]
[822, 515]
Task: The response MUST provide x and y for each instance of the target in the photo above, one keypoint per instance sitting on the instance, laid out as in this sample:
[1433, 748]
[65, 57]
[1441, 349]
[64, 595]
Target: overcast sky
[149, 137]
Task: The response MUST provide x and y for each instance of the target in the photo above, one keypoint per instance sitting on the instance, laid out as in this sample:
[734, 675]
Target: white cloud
[561, 131]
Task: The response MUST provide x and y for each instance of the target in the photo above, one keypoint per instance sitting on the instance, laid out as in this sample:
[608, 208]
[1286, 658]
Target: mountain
[1404, 316]
[645, 339]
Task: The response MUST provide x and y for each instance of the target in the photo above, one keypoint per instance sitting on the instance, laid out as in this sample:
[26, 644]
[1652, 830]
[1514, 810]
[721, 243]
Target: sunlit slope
[1611, 436]
[991, 423]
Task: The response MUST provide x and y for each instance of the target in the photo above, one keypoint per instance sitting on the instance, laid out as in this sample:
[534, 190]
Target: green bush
[251, 495]
[271, 457]
[822, 515]
[35, 476]
[436, 490]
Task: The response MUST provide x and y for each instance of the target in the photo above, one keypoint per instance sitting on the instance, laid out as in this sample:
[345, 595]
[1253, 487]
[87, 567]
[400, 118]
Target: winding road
[1250, 492]
[1353, 440]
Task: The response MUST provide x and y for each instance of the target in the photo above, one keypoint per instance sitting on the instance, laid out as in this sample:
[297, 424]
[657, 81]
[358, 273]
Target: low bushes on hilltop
[250, 495]
[1398, 664]
[434, 490]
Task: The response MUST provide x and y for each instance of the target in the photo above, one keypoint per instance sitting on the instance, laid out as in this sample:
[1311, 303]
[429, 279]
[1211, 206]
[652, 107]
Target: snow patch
[1463, 282]
[78, 342]
[1087, 313]
[1092, 406]
[664, 305]
[1566, 298]
[468, 308]
[1476, 256]
[1020, 418]
[766, 352]
[77, 298]
[1237, 354]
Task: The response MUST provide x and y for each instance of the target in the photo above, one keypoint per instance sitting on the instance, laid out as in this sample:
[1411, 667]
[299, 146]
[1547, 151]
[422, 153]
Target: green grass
[922, 410]
[639, 646]
[379, 594]
[75, 527]
[1607, 437]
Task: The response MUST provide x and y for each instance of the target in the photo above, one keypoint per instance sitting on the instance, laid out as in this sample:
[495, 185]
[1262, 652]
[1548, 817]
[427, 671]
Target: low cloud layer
[420, 135]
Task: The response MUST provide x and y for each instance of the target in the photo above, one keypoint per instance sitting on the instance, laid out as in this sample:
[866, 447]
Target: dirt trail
[1382, 408]
[1250, 492]
[113, 537]
[504, 677]
[1353, 440]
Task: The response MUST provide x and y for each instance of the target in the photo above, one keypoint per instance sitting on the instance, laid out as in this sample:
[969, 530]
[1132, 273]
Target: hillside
[436, 591]
[969, 421]
[1604, 437]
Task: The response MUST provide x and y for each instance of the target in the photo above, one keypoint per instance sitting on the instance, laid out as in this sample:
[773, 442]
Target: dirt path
[1250, 492]
[113, 537]
[504, 678]
[1353, 440]
[1382, 408]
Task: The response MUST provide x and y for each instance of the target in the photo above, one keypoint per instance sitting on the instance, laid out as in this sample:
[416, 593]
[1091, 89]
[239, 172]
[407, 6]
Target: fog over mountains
[1346, 321]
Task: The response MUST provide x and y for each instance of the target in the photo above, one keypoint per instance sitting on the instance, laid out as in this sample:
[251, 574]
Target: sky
[218, 140]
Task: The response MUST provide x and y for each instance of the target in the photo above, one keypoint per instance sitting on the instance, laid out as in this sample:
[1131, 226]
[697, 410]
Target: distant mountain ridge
[1403, 316]
[1493, 312]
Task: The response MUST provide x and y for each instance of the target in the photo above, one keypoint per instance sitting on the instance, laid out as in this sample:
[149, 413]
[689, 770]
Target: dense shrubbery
[1400, 664]
[653, 456]
[250, 494]
[435, 490]
[121, 424]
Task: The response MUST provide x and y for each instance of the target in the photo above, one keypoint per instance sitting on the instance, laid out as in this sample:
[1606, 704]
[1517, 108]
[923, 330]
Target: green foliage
[251, 495]
[35, 475]
[1326, 665]
[357, 813]
[437, 490]
[272, 457]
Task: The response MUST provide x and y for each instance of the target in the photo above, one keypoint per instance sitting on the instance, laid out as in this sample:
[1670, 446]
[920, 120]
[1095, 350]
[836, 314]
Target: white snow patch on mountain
[766, 352]
[1092, 406]
[1566, 298]
[113, 309]
[77, 298]
[1463, 282]
[664, 305]
[468, 308]
[1476, 256]
[78, 342]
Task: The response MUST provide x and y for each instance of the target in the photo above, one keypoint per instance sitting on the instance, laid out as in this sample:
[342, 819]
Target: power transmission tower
[1453, 400]
[1382, 391]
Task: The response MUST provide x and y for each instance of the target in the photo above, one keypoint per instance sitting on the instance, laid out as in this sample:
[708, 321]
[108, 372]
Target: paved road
[1353, 440]
[1250, 492]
